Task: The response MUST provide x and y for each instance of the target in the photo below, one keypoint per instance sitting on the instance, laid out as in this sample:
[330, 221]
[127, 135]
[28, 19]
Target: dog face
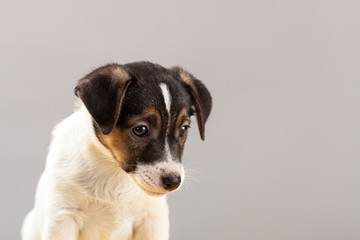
[141, 113]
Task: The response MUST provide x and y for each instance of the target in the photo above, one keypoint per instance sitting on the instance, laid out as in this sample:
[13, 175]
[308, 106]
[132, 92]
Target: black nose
[171, 182]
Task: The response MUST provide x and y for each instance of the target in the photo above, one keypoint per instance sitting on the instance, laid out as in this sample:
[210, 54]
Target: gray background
[281, 158]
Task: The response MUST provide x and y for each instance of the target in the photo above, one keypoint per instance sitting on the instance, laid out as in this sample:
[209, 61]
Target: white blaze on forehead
[166, 95]
[167, 100]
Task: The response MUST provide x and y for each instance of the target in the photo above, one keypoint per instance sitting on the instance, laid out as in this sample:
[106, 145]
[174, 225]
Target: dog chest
[111, 222]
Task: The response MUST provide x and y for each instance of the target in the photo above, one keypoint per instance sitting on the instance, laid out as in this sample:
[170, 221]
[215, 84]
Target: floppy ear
[200, 97]
[102, 91]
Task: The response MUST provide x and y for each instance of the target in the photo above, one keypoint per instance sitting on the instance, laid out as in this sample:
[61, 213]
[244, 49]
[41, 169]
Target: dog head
[141, 113]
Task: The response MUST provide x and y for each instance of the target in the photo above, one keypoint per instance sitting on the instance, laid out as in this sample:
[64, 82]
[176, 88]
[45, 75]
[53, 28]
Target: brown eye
[183, 130]
[140, 131]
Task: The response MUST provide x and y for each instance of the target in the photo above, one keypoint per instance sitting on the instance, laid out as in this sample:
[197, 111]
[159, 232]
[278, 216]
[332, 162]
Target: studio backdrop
[281, 157]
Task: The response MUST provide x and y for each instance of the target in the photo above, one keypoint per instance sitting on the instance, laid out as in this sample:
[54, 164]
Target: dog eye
[140, 131]
[184, 130]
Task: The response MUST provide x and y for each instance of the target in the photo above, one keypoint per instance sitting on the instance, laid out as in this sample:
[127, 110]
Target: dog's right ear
[102, 91]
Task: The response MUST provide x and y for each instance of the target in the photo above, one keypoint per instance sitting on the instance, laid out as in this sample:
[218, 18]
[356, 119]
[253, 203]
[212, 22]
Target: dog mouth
[147, 188]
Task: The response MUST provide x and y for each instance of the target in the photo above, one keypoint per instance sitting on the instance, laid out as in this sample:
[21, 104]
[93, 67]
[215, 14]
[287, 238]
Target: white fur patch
[167, 99]
[166, 95]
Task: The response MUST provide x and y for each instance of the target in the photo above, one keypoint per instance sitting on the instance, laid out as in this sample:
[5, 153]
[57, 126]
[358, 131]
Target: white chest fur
[112, 221]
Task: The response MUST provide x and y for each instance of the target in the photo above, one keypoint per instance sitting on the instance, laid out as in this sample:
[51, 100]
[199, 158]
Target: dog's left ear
[102, 91]
[200, 97]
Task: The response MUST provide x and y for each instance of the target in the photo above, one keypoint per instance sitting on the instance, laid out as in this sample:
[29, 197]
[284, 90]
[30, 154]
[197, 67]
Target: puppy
[112, 162]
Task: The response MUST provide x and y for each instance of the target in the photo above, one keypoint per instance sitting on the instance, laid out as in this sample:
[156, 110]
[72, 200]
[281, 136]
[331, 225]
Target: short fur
[112, 162]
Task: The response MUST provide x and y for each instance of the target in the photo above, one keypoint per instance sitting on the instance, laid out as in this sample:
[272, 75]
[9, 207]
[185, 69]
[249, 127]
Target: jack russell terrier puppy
[111, 162]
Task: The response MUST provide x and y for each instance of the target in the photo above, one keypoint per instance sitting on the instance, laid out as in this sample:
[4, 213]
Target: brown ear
[200, 97]
[102, 91]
